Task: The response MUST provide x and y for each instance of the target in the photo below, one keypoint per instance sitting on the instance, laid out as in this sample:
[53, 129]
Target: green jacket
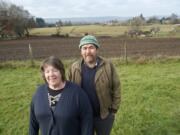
[107, 85]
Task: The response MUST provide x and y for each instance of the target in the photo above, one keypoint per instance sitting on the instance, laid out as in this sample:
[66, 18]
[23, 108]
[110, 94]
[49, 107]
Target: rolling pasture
[104, 30]
[150, 88]
[150, 97]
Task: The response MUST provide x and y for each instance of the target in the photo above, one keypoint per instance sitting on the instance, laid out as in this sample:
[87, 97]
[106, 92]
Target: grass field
[80, 30]
[103, 30]
[150, 97]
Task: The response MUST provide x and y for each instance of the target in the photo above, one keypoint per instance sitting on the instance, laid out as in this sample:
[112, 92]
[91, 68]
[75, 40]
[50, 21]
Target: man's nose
[88, 50]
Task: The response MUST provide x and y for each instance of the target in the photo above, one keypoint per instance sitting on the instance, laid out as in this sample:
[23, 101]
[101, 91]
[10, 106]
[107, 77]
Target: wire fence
[109, 48]
[43, 52]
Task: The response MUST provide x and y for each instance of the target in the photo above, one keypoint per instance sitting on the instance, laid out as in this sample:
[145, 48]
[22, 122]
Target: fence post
[125, 52]
[31, 55]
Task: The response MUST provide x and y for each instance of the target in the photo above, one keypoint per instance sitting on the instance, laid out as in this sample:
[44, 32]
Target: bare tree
[135, 25]
[59, 24]
[14, 20]
[173, 18]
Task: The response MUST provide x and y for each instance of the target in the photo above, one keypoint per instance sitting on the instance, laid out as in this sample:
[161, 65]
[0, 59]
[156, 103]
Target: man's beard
[90, 59]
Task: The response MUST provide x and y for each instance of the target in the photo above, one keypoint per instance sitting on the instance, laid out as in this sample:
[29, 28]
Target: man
[97, 76]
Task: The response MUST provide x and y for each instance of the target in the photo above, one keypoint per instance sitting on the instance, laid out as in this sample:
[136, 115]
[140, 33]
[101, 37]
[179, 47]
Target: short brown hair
[56, 63]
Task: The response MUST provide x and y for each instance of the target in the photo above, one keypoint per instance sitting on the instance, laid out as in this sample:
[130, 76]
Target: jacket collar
[77, 66]
[101, 59]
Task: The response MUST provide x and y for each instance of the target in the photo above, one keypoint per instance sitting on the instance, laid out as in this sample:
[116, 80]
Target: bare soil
[68, 47]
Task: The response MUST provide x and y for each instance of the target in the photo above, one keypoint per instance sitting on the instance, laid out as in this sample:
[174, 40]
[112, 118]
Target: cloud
[85, 8]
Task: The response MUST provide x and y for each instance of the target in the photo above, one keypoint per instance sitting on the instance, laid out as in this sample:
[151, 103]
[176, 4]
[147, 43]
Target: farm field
[150, 97]
[143, 43]
[104, 30]
[68, 47]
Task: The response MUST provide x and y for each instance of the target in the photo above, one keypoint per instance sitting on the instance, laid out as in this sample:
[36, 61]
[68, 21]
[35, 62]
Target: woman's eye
[46, 71]
[55, 71]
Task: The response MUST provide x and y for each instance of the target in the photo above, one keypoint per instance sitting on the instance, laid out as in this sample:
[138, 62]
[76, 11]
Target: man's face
[89, 53]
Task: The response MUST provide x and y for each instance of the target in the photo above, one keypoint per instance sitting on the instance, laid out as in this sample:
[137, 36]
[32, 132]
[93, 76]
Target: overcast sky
[96, 8]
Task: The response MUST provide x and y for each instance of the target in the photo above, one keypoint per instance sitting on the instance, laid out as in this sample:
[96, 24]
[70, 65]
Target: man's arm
[116, 90]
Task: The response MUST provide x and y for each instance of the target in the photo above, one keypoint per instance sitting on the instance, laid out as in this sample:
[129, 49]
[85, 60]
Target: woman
[59, 107]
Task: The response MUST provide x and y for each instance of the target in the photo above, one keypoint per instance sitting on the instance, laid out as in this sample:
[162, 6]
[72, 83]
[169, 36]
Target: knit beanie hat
[89, 39]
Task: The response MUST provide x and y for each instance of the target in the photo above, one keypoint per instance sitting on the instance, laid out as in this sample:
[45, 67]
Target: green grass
[16, 89]
[80, 30]
[103, 30]
[150, 97]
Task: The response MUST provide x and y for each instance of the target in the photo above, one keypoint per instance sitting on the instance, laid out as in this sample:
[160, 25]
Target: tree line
[141, 20]
[136, 23]
[15, 21]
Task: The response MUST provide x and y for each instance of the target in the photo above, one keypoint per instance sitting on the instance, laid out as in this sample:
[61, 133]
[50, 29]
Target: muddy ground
[68, 47]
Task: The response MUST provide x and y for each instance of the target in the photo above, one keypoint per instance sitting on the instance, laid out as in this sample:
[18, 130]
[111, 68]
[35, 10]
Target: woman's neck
[61, 85]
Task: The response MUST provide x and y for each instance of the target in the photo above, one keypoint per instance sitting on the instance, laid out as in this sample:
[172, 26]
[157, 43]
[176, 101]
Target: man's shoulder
[76, 63]
[104, 61]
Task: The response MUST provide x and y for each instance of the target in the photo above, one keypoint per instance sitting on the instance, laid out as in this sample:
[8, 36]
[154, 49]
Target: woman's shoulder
[40, 89]
[76, 89]
[72, 85]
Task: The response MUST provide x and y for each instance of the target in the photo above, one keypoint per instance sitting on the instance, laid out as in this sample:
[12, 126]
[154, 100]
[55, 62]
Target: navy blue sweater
[88, 85]
[72, 115]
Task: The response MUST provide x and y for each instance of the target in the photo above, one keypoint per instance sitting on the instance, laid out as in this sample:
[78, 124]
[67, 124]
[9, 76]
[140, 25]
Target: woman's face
[52, 76]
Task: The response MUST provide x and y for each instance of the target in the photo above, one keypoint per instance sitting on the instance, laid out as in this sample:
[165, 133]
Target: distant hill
[86, 19]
